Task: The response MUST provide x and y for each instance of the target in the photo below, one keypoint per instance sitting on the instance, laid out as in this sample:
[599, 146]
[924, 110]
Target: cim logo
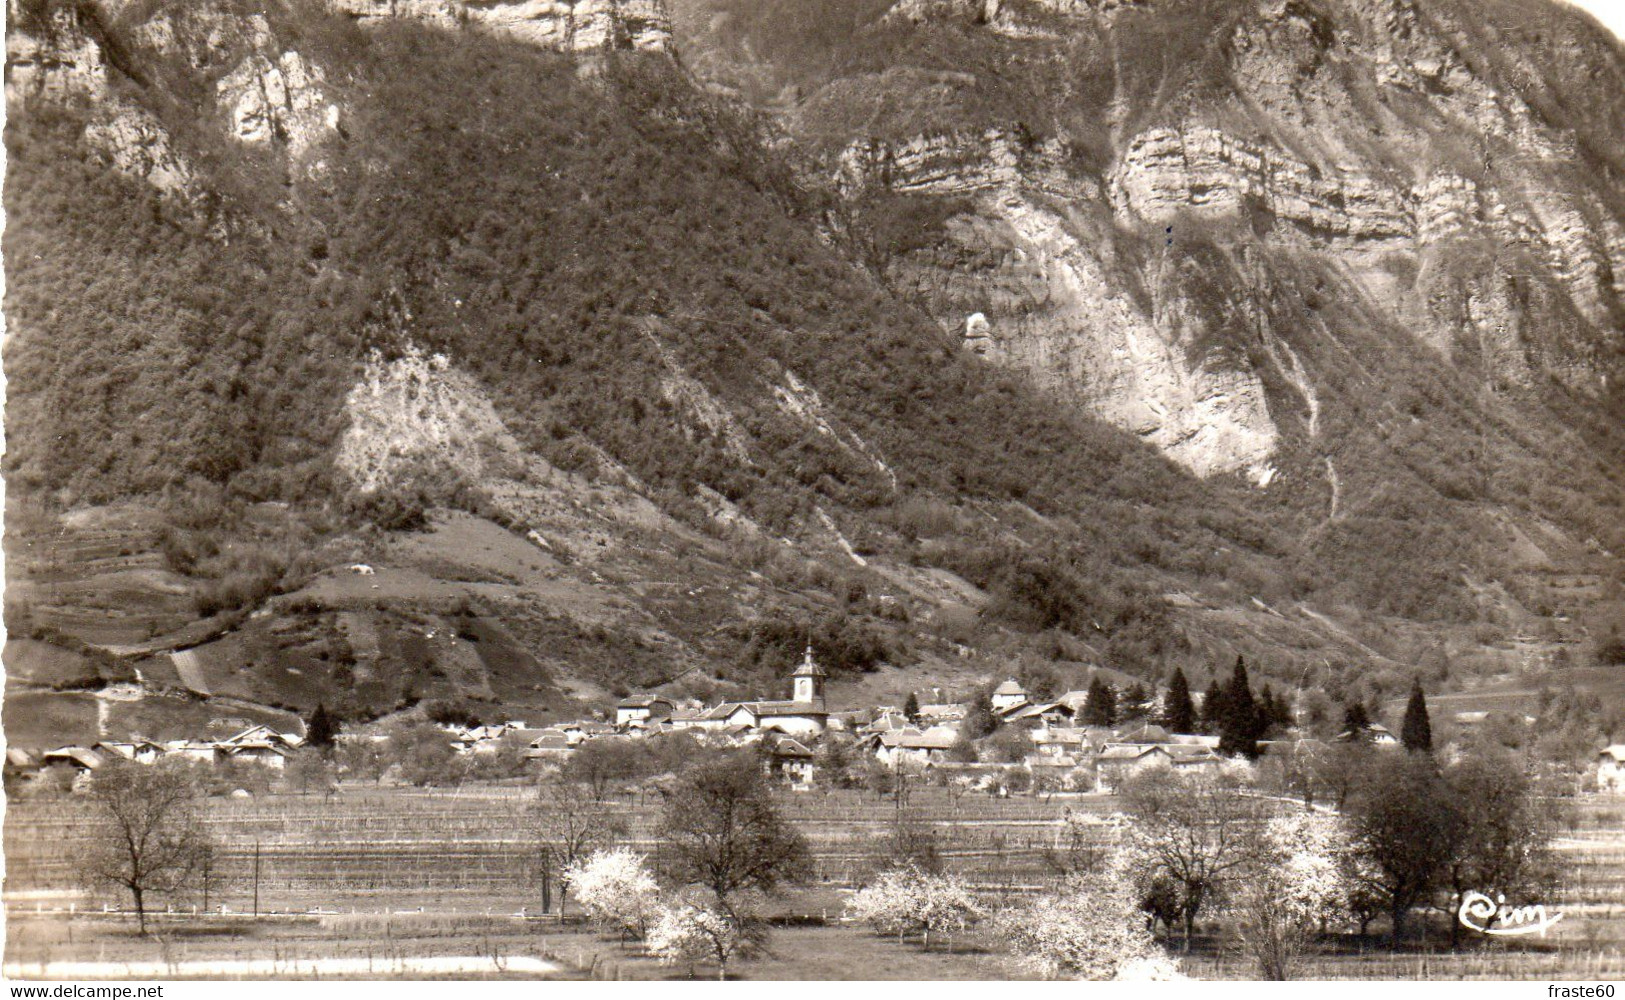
[1493, 916]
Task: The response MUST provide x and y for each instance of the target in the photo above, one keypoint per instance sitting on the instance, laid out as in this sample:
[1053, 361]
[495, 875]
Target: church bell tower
[809, 680]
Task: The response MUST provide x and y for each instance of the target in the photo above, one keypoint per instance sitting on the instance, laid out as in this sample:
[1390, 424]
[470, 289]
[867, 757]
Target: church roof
[767, 708]
[809, 667]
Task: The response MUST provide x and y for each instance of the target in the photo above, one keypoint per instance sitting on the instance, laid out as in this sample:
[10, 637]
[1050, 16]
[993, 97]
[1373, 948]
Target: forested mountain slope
[674, 311]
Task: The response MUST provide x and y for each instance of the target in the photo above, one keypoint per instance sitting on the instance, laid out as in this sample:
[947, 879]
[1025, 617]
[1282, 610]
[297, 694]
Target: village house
[897, 747]
[687, 718]
[1060, 741]
[1611, 769]
[265, 734]
[1008, 697]
[642, 710]
[138, 751]
[1376, 734]
[264, 752]
[196, 751]
[81, 759]
[790, 759]
[580, 731]
[886, 722]
[1118, 762]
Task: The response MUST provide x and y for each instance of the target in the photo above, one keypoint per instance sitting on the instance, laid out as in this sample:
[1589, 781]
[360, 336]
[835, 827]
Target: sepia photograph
[806, 490]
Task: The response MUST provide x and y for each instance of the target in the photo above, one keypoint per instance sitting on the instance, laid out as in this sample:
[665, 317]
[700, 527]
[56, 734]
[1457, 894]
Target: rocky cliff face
[266, 94]
[566, 25]
[1158, 240]
[1030, 277]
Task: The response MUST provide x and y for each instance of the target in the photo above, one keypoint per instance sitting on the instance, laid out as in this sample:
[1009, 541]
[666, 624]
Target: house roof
[1045, 760]
[930, 740]
[83, 756]
[1059, 734]
[1073, 700]
[1010, 687]
[1197, 740]
[19, 758]
[551, 742]
[256, 734]
[890, 722]
[1617, 751]
[764, 709]
[784, 746]
[1131, 751]
[642, 701]
[1187, 752]
[892, 737]
[1144, 733]
[263, 746]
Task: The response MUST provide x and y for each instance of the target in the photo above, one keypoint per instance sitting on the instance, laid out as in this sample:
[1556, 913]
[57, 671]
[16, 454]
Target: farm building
[1611, 769]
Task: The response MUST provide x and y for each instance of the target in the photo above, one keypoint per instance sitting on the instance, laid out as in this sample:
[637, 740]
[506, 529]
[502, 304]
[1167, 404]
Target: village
[1002, 740]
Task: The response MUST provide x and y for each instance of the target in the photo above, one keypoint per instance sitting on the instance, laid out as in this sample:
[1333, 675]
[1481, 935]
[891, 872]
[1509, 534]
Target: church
[805, 714]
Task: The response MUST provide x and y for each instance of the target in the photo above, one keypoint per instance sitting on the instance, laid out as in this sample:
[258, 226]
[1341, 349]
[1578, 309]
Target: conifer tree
[1416, 732]
[911, 707]
[1132, 703]
[1356, 722]
[1212, 707]
[321, 728]
[1101, 708]
[1178, 712]
[1238, 725]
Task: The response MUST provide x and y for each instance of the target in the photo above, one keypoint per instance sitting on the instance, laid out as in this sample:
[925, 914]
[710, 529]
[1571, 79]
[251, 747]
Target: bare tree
[570, 822]
[1194, 832]
[147, 838]
[603, 765]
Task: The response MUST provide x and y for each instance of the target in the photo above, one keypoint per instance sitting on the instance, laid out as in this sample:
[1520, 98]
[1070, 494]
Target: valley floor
[401, 883]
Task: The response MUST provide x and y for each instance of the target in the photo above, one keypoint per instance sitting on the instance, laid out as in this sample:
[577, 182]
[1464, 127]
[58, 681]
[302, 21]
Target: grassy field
[398, 874]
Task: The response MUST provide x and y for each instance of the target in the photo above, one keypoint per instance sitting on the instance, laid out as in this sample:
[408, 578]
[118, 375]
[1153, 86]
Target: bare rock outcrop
[564, 25]
[415, 415]
[277, 97]
[137, 144]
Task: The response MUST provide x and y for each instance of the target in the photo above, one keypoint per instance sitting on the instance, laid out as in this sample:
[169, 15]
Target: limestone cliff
[1148, 206]
[566, 25]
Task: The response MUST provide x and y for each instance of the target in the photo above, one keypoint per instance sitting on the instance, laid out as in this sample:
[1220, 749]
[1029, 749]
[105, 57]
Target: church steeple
[809, 679]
